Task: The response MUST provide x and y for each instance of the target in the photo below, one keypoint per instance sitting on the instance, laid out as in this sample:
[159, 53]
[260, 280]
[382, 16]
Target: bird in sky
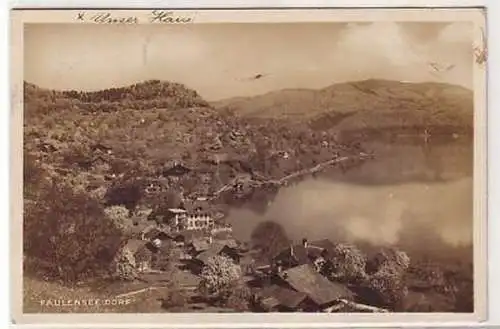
[255, 77]
[441, 68]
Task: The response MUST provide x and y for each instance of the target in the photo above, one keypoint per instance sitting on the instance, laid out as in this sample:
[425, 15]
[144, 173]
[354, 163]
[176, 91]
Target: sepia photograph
[171, 165]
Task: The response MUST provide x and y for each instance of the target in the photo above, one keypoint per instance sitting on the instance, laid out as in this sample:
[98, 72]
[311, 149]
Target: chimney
[210, 240]
[304, 243]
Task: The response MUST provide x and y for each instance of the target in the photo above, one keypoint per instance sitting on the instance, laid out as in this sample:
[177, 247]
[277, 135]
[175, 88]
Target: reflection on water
[394, 197]
[410, 163]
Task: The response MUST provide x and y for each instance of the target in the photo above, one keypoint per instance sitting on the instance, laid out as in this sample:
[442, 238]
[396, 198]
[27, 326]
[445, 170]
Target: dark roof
[101, 146]
[231, 243]
[299, 253]
[324, 244]
[140, 249]
[305, 255]
[223, 235]
[190, 235]
[282, 296]
[175, 169]
[269, 302]
[157, 234]
[214, 250]
[200, 244]
[192, 206]
[319, 289]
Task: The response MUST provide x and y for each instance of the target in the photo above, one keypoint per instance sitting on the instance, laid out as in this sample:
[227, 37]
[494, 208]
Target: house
[218, 158]
[179, 240]
[48, 146]
[231, 243]
[198, 245]
[275, 298]
[252, 265]
[141, 254]
[216, 249]
[193, 215]
[321, 292]
[314, 253]
[183, 238]
[222, 229]
[102, 148]
[175, 169]
[156, 234]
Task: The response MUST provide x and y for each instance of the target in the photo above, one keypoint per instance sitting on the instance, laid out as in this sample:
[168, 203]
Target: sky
[218, 60]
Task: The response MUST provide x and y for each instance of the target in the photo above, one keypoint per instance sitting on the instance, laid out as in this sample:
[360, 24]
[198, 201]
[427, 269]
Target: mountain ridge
[423, 103]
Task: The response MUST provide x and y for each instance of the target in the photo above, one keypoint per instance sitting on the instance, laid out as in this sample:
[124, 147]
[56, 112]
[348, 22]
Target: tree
[123, 266]
[218, 277]
[387, 284]
[118, 215]
[348, 263]
[270, 237]
[239, 299]
[70, 232]
[391, 256]
[128, 194]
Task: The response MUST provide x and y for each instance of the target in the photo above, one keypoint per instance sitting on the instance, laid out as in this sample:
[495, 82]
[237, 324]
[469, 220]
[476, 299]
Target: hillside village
[295, 279]
[134, 185]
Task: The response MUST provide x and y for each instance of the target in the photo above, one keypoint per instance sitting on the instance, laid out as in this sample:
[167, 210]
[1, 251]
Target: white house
[184, 220]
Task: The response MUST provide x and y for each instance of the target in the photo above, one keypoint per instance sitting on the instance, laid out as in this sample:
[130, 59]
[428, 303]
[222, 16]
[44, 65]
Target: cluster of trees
[221, 283]
[147, 90]
[148, 94]
[66, 233]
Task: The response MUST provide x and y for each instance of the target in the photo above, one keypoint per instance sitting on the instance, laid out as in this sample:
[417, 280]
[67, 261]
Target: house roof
[305, 255]
[282, 296]
[134, 245]
[231, 243]
[223, 235]
[175, 168]
[190, 235]
[214, 250]
[269, 302]
[177, 210]
[200, 244]
[319, 289]
[101, 146]
[324, 244]
[156, 233]
[298, 251]
[192, 206]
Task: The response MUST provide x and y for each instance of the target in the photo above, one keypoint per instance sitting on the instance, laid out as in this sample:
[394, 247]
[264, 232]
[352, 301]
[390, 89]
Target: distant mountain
[363, 105]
